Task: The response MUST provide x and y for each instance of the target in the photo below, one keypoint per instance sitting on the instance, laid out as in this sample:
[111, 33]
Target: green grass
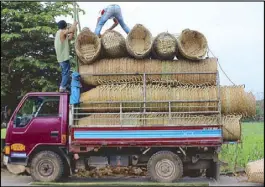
[118, 184]
[252, 147]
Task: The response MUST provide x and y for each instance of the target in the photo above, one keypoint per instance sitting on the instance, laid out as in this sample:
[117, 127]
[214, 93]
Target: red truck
[42, 134]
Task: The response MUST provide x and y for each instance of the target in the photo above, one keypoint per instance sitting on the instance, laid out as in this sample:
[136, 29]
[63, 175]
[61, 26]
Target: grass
[117, 184]
[252, 147]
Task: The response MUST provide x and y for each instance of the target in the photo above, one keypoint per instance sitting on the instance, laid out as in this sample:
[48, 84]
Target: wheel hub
[165, 168]
[46, 168]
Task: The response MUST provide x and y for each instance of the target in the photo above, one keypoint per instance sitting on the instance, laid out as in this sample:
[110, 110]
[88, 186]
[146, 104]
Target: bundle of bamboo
[164, 46]
[234, 100]
[133, 66]
[113, 44]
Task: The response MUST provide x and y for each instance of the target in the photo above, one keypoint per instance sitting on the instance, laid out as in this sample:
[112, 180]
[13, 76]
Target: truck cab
[39, 121]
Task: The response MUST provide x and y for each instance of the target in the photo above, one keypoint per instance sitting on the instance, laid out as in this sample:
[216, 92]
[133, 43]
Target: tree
[28, 61]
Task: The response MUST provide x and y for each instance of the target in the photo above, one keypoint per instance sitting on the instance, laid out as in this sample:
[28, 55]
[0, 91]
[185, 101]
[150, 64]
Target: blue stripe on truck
[148, 134]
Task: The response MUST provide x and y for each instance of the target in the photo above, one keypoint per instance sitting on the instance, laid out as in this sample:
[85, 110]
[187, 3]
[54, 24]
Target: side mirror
[16, 121]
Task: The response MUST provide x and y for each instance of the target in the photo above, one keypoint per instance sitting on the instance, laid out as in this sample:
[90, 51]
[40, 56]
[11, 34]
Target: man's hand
[75, 23]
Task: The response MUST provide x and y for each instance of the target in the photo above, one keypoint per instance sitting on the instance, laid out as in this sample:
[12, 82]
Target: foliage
[28, 61]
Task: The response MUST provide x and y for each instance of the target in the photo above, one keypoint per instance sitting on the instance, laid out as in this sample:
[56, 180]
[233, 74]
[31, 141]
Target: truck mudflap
[147, 136]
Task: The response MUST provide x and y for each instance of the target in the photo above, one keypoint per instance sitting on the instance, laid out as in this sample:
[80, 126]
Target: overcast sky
[234, 30]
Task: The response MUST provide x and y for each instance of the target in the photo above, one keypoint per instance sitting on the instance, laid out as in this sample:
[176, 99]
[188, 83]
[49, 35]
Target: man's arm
[67, 31]
[71, 36]
[114, 24]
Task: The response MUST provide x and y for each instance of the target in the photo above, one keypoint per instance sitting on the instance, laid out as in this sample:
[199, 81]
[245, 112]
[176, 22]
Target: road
[8, 179]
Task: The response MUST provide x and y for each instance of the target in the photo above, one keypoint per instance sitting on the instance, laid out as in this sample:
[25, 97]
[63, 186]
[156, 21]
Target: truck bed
[147, 136]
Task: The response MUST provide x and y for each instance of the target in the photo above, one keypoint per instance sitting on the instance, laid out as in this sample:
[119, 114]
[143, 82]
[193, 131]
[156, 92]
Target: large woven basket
[231, 127]
[234, 100]
[113, 44]
[129, 65]
[164, 46]
[192, 45]
[139, 42]
[231, 123]
[255, 171]
[87, 46]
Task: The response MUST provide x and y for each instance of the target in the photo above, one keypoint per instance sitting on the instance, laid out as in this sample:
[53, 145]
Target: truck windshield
[36, 106]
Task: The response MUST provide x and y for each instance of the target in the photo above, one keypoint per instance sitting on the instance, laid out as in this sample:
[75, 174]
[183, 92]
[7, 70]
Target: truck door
[37, 122]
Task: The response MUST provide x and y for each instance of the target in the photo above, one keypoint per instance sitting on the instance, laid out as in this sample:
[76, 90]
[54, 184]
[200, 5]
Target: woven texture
[139, 42]
[192, 45]
[87, 46]
[255, 171]
[128, 65]
[113, 44]
[231, 123]
[234, 100]
[164, 46]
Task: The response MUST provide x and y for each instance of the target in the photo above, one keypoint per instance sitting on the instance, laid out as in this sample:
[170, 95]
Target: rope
[220, 66]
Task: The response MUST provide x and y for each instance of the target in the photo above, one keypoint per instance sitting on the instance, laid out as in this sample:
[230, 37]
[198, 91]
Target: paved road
[8, 179]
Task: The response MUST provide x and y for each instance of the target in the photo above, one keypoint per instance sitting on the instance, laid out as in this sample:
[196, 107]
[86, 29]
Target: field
[252, 147]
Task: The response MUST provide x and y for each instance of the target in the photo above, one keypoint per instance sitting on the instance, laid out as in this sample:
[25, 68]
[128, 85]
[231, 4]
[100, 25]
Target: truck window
[49, 108]
[36, 106]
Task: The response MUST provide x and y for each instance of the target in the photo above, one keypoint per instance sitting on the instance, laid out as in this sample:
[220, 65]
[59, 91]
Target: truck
[43, 135]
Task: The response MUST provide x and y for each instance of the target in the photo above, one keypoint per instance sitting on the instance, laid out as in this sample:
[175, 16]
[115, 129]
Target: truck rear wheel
[165, 166]
[46, 166]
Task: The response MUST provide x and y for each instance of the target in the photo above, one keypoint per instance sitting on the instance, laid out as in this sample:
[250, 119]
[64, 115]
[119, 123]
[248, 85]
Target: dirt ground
[8, 179]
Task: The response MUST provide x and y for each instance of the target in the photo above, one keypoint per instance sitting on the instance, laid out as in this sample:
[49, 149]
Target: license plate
[5, 160]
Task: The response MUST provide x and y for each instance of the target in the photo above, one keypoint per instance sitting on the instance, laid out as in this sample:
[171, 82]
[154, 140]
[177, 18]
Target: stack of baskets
[141, 53]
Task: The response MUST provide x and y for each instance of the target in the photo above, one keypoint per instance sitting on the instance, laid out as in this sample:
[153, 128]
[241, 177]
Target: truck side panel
[148, 136]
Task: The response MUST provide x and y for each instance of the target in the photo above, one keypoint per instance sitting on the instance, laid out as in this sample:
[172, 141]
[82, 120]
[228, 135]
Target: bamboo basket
[255, 171]
[129, 65]
[139, 42]
[87, 46]
[231, 123]
[164, 46]
[231, 127]
[192, 45]
[234, 100]
[113, 44]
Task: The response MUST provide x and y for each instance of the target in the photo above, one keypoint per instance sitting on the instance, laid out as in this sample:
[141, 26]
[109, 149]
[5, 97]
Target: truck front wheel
[165, 166]
[46, 166]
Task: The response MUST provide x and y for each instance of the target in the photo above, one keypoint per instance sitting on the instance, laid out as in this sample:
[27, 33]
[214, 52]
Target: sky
[234, 31]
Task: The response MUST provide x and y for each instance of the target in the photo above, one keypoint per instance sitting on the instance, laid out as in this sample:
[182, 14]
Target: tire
[46, 166]
[167, 161]
[213, 171]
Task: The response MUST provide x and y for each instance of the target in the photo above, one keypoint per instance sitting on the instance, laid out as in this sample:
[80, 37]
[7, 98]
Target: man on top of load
[111, 12]
[61, 43]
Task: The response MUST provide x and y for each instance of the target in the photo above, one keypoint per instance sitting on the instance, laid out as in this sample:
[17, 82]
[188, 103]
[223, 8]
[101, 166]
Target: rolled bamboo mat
[129, 65]
[231, 127]
[87, 46]
[231, 123]
[139, 42]
[255, 171]
[192, 45]
[234, 100]
[164, 46]
[113, 44]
